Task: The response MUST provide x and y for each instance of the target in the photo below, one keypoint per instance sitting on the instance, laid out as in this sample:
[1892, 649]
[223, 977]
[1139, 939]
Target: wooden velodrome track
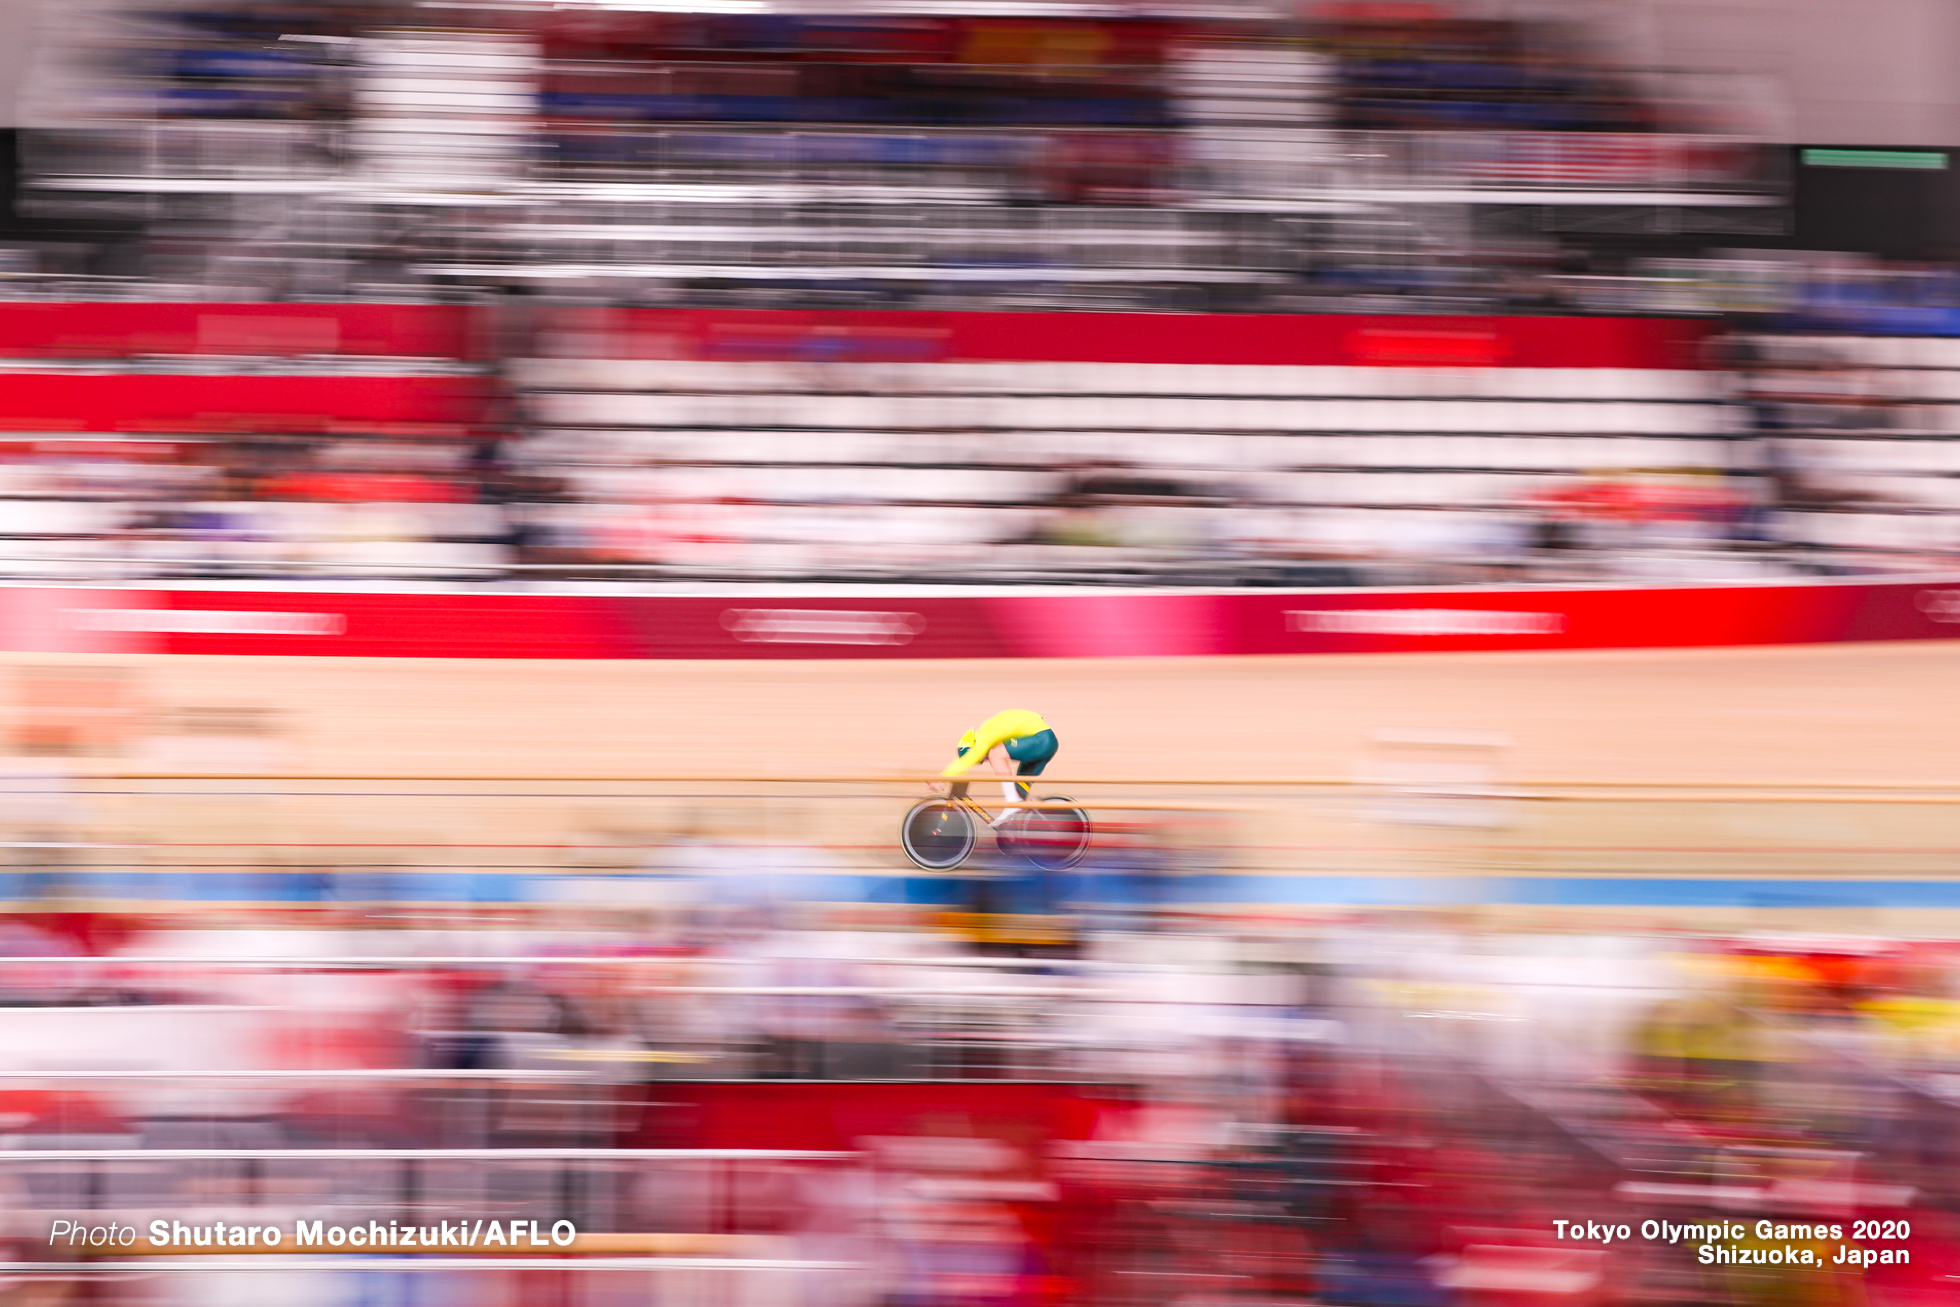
[1875, 714]
[1832, 714]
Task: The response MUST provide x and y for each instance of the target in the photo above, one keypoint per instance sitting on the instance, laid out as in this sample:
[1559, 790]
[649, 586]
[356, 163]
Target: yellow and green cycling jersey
[1028, 738]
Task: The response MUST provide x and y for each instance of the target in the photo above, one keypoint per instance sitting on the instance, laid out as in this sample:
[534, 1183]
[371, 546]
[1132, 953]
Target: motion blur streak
[506, 505]
[1406, 293]
[1356, 1037]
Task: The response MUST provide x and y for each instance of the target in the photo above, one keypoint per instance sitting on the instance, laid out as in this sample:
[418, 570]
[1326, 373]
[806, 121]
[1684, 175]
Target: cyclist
[1016, 738]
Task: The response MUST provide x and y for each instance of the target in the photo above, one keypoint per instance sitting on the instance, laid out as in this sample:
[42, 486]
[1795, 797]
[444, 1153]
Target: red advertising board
[136, 402]
[115, 330]
[904, 624]
[1298, 339]
[96, 331]
[842, 1115]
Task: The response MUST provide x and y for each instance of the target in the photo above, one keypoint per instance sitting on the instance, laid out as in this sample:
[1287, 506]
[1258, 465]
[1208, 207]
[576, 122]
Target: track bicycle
[939, 834]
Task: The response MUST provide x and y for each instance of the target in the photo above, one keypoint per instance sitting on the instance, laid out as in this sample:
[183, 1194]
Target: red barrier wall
[823, 1115]
[53, 401]
[115, 330]
[454, 331]
[1270, 339]
[899, 624]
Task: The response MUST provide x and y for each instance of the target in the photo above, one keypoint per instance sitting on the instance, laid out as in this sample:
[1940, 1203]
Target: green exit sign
[1934, 160]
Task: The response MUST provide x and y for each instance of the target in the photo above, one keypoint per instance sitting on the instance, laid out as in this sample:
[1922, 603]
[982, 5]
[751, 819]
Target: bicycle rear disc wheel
[1053, 838]
[937, 835]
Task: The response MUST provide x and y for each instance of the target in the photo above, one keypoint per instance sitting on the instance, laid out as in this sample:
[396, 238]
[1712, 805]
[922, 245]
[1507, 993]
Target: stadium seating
[773, 468]
[1394, 460]
[1399, 460]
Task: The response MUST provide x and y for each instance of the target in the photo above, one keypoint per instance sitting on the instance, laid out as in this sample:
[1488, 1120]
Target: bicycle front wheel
[937, 835]
[1053, 838]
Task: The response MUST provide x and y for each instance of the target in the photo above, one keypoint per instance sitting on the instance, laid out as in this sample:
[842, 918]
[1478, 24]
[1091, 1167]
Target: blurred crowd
[1404, 66]
[563, 156]
[1416, 71]
[924, 159]
[1361, 1113]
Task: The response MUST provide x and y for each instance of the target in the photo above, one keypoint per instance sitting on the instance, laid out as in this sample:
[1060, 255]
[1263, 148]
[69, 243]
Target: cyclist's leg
[1033, 753]
[1026, 756]
[1001, 760]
